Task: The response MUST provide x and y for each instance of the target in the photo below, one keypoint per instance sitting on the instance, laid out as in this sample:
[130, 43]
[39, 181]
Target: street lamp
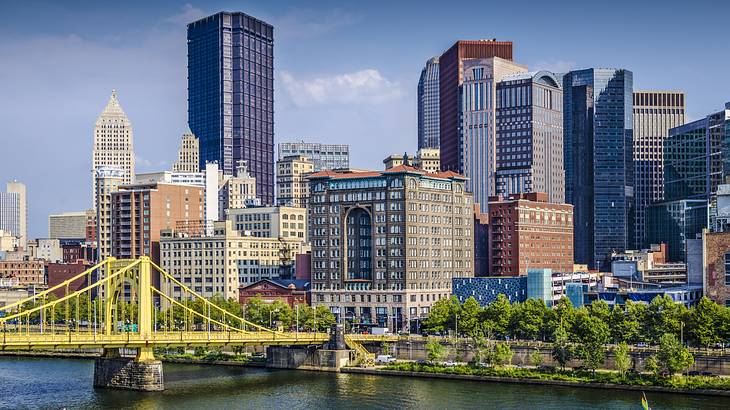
[270, 312]
[456, 326]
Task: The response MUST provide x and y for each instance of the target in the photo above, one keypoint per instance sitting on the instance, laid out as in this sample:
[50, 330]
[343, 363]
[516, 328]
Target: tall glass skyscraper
[599, 174]
[428, 105]
[231, 94]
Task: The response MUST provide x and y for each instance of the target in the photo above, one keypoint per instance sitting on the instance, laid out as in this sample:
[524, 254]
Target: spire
[113, 107]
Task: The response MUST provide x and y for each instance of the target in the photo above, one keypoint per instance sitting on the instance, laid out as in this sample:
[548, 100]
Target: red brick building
[291, 292]
[716, 248]
[60, 272]
[526, 231]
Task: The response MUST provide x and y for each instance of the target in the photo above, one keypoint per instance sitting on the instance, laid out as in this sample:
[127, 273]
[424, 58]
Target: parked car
[384, 359]
[642, 344]
[449, 363]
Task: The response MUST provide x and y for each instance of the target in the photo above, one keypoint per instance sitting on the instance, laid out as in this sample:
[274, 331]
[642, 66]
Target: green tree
[624, 323]
[536, 358]
[651, 365]
[435, 351]
[622, 358]
[442, 316]
[527, 319]
[704, 323]
[469, 318]
[503, 354]
[600, 310]
[672, 356]
[496, 316]
[562, 349]
[315, 319]
[593, 334]
[562, 314]
[664, 315]
[257, 312]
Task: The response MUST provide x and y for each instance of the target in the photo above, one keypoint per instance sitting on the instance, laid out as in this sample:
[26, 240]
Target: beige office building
[113, 142]
[655, 112]
[386, 244]
[219, 263]
[69, 225]
[292, 188]
[236, 191]
[188, 157]
[271, 221]
[426, 159]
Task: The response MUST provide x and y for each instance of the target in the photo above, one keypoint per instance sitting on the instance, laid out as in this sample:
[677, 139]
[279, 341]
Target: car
[449, 363]
[384, 359]
[482, 364]
[642, 344]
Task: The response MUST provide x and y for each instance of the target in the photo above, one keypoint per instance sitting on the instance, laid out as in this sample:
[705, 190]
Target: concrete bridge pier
[332, 357]
[142, 373]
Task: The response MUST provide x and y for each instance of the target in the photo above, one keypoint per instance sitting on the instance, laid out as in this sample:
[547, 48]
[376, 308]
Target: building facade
[292, 188]
[477, 141]
[24, 273]
[231, 94]
[655, 112]
[716, 266]
[527, 231]
[386, 244]
[69, 225]
[271, 222]
[290, 292]
[113, 145]
[236, 191]
[220, 263]
[599, 171]
[427, 159]
[450, 80]
[188, 157]
[674, 223]
[61, 272]
[428, 105]
[140, 212]
[324, 156]
[529, 135]
[14, 212]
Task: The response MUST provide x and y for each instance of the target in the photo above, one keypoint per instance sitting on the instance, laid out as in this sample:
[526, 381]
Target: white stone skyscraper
[188, 157]
[113, 142]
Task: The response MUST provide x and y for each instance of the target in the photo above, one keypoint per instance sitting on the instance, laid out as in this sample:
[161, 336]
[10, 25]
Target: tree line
[705, 325]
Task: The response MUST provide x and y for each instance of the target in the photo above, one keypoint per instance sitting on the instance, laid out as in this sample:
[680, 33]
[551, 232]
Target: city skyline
[339, 76]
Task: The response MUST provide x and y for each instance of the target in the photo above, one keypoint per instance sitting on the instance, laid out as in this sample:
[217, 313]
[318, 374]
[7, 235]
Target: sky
[345, 71]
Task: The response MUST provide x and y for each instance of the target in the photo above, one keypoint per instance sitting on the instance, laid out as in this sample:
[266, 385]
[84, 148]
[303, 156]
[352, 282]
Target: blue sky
[346, 71]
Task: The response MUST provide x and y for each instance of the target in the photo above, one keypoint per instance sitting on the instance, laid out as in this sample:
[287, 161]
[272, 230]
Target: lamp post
[270, 312]
[456, 326]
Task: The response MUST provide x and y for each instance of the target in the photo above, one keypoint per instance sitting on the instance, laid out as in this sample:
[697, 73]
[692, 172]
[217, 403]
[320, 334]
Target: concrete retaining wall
[128, 374]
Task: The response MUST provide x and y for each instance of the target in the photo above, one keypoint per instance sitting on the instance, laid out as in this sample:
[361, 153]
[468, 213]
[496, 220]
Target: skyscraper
[477, 130]
[14, 212]
[324, 156]
[530, 135]
[655, 112]
[428, 105]
[231, 94]
[450, 76]
[188, 157]
[113, 142]
[599, 173]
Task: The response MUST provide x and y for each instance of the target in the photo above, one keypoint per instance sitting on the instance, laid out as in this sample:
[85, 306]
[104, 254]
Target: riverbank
[705, 386]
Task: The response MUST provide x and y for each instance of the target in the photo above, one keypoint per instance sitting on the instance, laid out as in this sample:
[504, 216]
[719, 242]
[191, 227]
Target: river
[66, 383]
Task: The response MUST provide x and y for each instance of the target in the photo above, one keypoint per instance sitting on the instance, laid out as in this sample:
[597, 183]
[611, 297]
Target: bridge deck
[12, 341]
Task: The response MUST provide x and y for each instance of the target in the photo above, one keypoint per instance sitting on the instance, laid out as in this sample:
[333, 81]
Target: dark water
[61, 383]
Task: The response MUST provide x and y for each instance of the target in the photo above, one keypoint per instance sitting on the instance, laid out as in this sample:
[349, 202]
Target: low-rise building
[427, 159]
[271, 221]
[49, 250]
[28, 272]
[69, 225]
[61, 272]
[527, 231]
[648, 265]
[222, 262]
[8, 241]
[288, 291]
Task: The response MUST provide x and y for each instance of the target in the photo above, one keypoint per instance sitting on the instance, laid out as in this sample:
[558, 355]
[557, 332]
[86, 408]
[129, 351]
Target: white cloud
[361, 87]
[558, 66]
[188, 14]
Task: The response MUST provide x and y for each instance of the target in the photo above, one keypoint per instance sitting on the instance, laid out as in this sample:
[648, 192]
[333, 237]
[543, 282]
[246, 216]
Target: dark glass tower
[231, 94]
[598, 155]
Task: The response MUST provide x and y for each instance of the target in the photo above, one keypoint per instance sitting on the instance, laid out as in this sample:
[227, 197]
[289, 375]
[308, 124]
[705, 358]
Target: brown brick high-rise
[449, 80]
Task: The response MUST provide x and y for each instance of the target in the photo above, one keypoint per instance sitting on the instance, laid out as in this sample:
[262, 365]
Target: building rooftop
[400, 169]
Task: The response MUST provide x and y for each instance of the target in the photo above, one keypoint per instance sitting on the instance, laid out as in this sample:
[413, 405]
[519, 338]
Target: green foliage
[663, 316]
[469, 318]
[672, 356]
[503, 354]
[536, 358]
[651, 365]
[622, 358]
[562, 350]
[318, 319]
[705, 323]
[592, 334]
[443, 315]
[527, 319]
[497, 316]
[435, 350]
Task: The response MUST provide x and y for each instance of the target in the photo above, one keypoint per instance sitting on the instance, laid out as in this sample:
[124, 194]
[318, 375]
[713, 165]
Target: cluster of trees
[704, 325]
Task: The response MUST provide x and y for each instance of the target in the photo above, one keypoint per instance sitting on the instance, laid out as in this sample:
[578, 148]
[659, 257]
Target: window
[727, 268]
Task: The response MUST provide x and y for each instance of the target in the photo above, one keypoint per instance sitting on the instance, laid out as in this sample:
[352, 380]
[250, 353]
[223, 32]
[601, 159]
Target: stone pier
[115, 372]
[332, 357]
